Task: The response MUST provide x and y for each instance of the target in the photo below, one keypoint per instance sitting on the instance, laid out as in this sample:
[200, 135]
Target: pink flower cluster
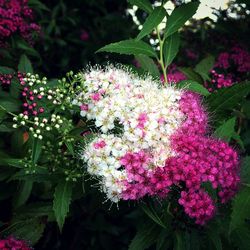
[13, 244]
[16, 17]
[237, 57]
[220, 80]
[5, 79]
[199, 159]
[230, 67]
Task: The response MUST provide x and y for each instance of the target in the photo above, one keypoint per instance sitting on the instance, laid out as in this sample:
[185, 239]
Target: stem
[10, 113]
[161, 60]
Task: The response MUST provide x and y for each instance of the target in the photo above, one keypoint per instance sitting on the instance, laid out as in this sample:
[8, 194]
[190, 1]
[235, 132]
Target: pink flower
[84, 35]
[95, 97]
[100, 144]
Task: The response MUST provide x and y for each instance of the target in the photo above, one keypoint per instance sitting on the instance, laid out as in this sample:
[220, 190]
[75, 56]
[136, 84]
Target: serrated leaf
[152, 21]
[204, 66]
[191, 74]
[228, 98]
[171, 48]
[193, 86]
[240, 209]
[62, 200]
[179, 16]
[238, 139]
[144, 238]
[142, 4]
[153, 215]
[148, 65]
[226, 130]
[25, 65]
[129, 47]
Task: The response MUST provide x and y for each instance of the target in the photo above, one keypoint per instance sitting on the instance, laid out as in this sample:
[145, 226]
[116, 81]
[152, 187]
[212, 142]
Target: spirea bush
[152, 146]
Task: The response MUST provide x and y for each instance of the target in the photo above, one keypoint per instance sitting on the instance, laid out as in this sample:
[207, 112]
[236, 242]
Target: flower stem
[161, 60]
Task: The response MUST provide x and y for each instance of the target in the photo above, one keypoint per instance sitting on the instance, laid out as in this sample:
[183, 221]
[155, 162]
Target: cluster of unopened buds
[33, 91]
[5, 79]
[152, 139]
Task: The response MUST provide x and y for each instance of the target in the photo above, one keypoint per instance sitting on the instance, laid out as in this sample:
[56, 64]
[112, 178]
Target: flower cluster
[13, 244]
[152, 138]
[16, 17]
[5, 79]
[230, 67]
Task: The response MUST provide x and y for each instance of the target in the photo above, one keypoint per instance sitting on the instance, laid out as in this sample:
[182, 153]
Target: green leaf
[191, 74]
[25, 65]
[32, 210]
[204, 66]
[144, 238]
[179, 16]
[10, 105]
[152, 21]
[180, 241]
[148, 65]
[142, 4]
[153, 215]
[228, 98]
[238, 139]
[70, 147]
[129, 47]
[240, 209]
[38, 4]
[23, 193]
[36, 150]
[245, 170]
[207, 186]
[62, 199]
[6, 70]
[214, 236]
[30, 229]
[240, 238]
[193, 86]
[226, 130]
[171, 48]
[4, 128]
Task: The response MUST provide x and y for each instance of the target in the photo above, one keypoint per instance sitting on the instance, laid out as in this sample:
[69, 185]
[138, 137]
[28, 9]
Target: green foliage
[204, 66]
[145, 237]
[129, 47]
[179, 16]
[226, 130]
[62, 200]
[171, 48]
[25, 65]
[191, 74]
[193, 86]
[153, 20]
[148, 65]
[228, 99]
[143, 4]
[240, 209]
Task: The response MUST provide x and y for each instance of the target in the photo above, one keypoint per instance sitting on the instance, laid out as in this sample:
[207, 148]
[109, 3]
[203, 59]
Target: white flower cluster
[146, 114]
